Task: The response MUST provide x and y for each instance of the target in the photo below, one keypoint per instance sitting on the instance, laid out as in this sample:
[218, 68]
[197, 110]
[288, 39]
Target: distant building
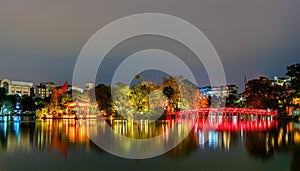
[283, 81]
[89, 86]
[73, 88]
[45, 89]
[17, 87]
[220, 91]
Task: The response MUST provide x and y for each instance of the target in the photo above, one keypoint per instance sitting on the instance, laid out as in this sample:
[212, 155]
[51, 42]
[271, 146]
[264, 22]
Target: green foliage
[190, 95]
[8, 103]
[66, 97]
[40, 103]
[121, 103]
[231, 101]
[139, 95]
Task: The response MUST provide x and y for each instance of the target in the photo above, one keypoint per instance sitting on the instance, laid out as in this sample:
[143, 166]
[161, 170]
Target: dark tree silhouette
[103, 98]
[293, 71]
[262, 93]
[27, 103]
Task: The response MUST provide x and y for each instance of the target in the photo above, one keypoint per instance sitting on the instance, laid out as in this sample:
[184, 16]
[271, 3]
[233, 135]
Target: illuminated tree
[190, 95]
[66, 97]
[261, 93]
[182, 93]
[139, 95]
[204, 101]
[121, 102]
[9, 103]
[40, 103]
[156, 101]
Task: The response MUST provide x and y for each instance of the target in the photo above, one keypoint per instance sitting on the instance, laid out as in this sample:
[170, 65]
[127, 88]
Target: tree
[9, 103]
[137, 78]
[2, 97]
[231, 101]
[121, 102]
[241, 102]
[139, 95]
[2, 92]
[293, 71]
[204, 101]
[215, 101]
[261, 93]
[190, 94]
[104, 98]
[293, 90]
[6, 107]
[171, 91]
[40, 103]
[181, 93]
[143, 101]
[168, 91]
[66, 97]
[27, 103]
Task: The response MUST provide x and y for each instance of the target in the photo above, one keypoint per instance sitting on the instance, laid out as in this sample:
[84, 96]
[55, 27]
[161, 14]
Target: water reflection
[143, 139]
[50, 134]
[262, 139]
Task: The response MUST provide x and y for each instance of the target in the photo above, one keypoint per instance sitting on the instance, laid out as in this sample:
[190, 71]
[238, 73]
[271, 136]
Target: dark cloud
[40, 40]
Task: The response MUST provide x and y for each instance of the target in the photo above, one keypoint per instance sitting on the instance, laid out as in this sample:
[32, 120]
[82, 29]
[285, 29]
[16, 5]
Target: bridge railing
[228, 110]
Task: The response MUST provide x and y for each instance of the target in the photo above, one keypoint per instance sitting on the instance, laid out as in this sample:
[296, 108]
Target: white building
[221, 91]
[17, 87]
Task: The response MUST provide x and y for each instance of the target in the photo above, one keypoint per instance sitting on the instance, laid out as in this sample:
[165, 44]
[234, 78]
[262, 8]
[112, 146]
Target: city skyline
[145, 76]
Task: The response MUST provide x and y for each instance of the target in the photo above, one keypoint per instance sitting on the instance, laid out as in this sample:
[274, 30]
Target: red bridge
[240, 113]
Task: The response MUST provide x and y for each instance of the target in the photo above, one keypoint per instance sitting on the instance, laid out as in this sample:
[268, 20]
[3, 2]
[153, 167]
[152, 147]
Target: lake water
[56, 145]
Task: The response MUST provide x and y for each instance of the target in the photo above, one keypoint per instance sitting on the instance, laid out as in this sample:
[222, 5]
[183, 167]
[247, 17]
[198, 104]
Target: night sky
[40, 40]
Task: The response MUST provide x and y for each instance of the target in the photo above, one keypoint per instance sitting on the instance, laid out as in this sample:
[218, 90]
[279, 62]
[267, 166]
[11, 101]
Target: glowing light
[201, 138]
[213, 139]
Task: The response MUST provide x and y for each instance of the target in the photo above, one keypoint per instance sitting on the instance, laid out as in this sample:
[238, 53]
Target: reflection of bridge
[236, 126]
[239, 113]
